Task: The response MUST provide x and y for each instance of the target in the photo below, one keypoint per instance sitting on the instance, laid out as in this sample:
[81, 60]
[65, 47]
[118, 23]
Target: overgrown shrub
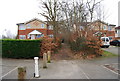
[87, 46]
[93, 45]
[78, 44]
[48, 44]
[20, 48]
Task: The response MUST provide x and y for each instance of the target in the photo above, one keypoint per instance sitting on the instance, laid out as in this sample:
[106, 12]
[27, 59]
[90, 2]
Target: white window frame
[105, 27]
[50, 27]
[111, 37]
[20, 27]
[28, 26]
[81, 27]
[22, 36]
[51, 35]
[42, 25]
[109, 28]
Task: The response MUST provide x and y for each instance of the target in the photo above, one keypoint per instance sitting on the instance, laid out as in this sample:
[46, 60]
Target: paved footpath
[62, 69]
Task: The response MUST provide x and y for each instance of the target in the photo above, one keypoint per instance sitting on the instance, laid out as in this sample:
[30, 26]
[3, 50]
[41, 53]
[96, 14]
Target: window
[116, 31]
[81, 28]
[51, 36]
[28, 26]
[42, 25]
[50, 27]
[38, 36]
[22, 27]
[110, 37]
[22, 37]
[107, 39]
[105, 28]
[109, 28]
[28, 36]
[42, 35]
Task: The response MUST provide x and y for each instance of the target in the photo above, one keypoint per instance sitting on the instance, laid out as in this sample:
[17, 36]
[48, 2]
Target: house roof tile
[31, 21]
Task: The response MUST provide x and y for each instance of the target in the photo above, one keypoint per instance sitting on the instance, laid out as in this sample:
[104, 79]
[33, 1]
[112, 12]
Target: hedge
[20, 48]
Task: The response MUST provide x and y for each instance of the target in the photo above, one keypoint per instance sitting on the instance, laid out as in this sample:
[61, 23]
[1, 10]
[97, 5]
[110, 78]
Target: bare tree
[74, 14]
[67, 17]
[91, 5]
[7, 34]
[50, 12]
[100, 16]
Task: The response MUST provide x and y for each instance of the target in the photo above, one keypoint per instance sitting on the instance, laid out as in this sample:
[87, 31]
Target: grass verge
[108, 54]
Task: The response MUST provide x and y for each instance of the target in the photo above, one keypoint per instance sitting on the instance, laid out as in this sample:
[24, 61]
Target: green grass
[105, 55]
[108, 54]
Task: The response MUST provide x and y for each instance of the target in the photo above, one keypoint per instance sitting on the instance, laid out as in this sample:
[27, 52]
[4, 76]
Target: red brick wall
[49, 32]
[108, 33]
[21, 32]
[27, 31]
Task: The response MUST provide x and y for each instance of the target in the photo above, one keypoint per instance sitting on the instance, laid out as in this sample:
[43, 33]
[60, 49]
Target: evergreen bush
[20, 48]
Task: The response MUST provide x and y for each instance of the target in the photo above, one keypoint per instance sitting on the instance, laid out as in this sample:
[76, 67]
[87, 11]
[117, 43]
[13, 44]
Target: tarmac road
[62, 69]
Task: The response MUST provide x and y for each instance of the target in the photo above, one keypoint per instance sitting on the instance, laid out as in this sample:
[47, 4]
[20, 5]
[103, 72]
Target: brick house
[99, 28]
[34, 29]
[117, 32]
[104, 28]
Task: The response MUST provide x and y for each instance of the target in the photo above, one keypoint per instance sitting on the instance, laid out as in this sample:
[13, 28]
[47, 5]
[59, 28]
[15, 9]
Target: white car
[105, 42]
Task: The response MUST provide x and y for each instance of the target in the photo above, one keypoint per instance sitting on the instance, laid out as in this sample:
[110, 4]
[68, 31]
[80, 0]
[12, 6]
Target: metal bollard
[36, 67]
[49, 56]
[22, 73]
[45, 60]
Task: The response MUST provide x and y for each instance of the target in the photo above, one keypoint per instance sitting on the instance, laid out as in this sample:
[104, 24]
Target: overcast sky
[19, 11]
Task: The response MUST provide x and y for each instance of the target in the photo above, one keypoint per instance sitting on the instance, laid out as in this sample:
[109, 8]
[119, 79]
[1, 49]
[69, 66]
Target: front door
[32, 36]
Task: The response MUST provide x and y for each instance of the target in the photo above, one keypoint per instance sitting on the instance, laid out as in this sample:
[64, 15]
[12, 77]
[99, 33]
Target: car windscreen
[107, 39]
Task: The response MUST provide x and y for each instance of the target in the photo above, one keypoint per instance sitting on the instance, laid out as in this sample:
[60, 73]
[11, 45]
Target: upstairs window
[50, 27]
[81, 28]
[42, 25]
[110, 37]
[22, 37]
[22, 27]
[105, 28]
[51, 36]
[109, 28]
[28, 26]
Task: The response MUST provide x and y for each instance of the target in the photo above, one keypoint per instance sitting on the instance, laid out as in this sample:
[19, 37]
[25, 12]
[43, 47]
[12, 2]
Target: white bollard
[36, 67]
